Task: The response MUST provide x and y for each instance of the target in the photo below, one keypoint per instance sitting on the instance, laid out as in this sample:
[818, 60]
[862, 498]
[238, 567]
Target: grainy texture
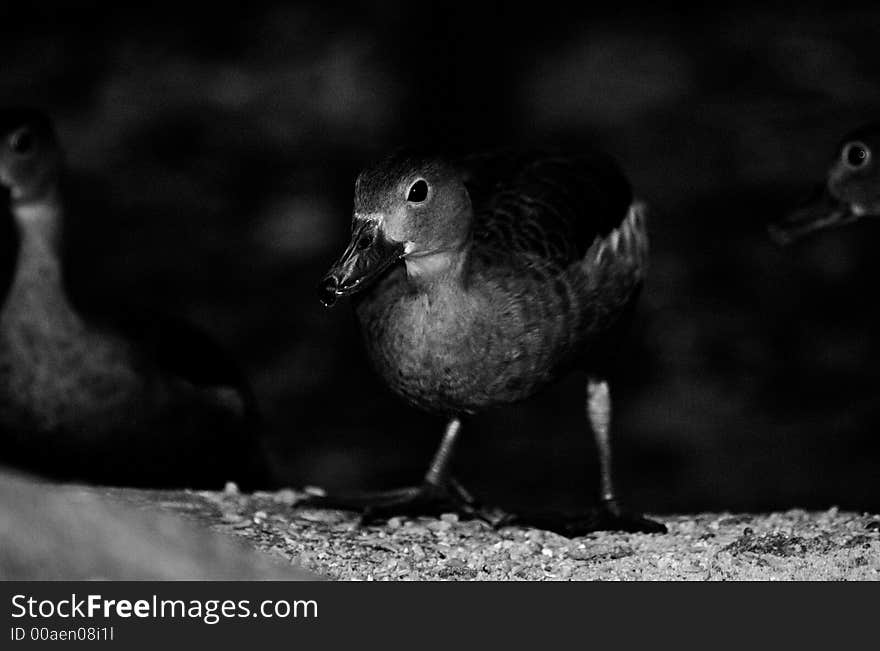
[794, 545]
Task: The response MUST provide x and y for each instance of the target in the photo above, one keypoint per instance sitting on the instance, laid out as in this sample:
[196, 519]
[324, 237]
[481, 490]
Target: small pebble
[231, 488]
[416, 530]
[417, 552]
[286, 496]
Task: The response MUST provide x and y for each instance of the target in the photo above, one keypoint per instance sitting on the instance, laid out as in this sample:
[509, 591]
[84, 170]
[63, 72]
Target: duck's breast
[55, 370]
[460, 349]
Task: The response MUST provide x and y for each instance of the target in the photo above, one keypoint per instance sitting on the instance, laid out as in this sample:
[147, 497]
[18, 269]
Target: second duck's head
[851, 189]
[29, 155]
[408, 208]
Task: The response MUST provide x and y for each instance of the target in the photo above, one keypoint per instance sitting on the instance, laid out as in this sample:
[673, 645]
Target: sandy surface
[828, 545]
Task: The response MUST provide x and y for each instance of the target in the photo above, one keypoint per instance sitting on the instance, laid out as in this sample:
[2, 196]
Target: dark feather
[551, 206]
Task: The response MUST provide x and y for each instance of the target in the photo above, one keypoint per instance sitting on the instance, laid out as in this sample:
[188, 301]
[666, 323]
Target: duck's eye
[855, 155]
[418, 191]
[22, 141]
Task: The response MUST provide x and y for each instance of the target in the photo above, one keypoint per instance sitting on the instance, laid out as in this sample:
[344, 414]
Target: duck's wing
[545, 206]
[178, 351]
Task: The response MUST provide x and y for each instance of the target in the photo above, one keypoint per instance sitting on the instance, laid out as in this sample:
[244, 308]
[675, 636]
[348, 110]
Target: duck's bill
[821, 211]
[367, 256]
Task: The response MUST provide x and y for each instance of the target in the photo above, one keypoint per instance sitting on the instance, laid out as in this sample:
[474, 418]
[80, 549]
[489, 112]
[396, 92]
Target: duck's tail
[627, 244]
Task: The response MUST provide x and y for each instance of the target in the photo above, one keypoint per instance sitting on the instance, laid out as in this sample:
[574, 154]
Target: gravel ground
[794, 545]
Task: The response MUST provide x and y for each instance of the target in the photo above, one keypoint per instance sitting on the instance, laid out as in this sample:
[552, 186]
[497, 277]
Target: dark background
[214, 151]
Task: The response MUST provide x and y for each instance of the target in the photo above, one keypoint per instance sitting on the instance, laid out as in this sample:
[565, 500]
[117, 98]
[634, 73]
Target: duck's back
[563, 236]
[543, 207]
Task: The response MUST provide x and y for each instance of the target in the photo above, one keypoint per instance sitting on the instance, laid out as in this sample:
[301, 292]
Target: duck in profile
[850, 192]
[479, 281]
[102, 396]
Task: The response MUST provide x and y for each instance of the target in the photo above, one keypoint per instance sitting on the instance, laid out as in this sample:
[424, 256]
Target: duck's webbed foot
[438, 493]
[426, 499]
[607, 517]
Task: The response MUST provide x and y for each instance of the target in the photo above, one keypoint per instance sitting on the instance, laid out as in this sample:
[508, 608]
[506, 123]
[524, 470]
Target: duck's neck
[443, 268]
[38, 286]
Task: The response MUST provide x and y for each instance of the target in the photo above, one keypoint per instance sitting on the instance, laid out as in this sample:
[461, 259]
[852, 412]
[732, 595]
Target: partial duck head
[408, 208]
[851, 189]
[30, 158]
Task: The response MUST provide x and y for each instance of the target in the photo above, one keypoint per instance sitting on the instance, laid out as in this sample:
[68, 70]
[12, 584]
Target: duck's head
[408, 208]
[29, 155]
[851, 190]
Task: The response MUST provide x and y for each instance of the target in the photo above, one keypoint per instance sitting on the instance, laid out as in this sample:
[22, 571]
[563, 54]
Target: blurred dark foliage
[213, 151]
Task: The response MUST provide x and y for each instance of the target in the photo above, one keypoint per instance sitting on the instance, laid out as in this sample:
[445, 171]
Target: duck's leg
[438, 493]
[608, 516]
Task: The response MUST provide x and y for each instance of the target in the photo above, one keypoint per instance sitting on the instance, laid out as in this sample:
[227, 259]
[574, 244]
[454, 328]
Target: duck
[850, 192]
[106, 394]
[480, 280]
